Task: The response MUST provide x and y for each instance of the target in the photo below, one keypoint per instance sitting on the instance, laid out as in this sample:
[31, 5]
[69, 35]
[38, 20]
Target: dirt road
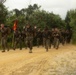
[40, 62]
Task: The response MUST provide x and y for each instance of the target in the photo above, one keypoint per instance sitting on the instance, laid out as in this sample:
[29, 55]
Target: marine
[4, 38]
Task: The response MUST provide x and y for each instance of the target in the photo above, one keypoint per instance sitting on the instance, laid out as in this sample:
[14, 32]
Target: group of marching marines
[30, 35]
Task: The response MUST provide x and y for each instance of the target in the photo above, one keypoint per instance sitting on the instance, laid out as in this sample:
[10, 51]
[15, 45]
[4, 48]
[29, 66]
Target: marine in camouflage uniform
[68, 35]
[38, 37]
[62, 37]
[29, 38]
[47, 41]
[43, 38]
[24, 38]
[17, 39]
[4, 37]
[56, 35]
[52, 37]
[47, 34]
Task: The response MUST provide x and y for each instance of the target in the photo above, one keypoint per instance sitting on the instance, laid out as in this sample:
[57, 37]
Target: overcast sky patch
[56, 6]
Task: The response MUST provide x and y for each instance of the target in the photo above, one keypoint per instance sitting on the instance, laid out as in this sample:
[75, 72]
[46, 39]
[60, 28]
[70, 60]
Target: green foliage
[34, 16]
[3, 13]
[71, 21]
[42, 18]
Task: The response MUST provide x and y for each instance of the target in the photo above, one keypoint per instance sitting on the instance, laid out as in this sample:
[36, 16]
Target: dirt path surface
[40, 62]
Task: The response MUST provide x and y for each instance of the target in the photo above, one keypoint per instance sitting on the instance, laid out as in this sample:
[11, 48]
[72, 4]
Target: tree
[3, 13]
[2, 1]
[72, 23]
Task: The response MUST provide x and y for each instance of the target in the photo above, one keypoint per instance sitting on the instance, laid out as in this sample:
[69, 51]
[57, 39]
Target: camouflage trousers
[62, 40]
[38, 42]
[56, 42]
[29, 43]
[4, 44]
[47, 44]
[44, 42]
[17, 43]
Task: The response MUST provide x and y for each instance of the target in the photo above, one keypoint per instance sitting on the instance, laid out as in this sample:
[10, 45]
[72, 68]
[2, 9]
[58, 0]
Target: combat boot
[30, 51]
[47, 50]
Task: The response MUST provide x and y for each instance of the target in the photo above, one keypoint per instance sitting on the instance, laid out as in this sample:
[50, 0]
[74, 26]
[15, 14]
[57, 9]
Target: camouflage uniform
[47, 40]
[68, 35]
[62, 37]
[4, 38]
[29, 39]
[17, 39]
[56, 41]
[24, 38]
[38, 36]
